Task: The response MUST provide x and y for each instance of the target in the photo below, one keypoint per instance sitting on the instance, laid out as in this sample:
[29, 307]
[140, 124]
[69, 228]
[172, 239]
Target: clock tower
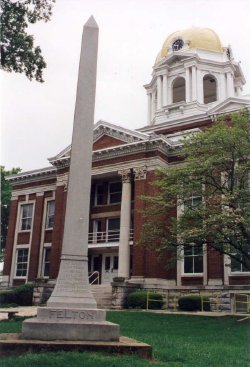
[193, 73]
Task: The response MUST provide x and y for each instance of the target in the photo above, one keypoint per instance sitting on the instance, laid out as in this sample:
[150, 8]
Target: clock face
[177, 45]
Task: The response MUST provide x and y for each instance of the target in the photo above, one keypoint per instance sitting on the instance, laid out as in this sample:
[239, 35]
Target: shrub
[138, 299]
[193, 303]
[21, 295]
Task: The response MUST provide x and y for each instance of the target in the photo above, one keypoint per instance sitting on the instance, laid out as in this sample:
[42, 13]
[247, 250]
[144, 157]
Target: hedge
[21, 295]
[138, 299]
[194, 303]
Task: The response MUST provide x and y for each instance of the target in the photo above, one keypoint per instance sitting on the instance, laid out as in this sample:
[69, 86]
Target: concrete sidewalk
[21, 311]
[32, 311]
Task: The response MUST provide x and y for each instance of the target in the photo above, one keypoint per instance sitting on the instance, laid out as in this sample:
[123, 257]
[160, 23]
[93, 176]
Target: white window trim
[237, 273]
[107, 228]
[109, 184]
[20, 230]
[22, 247]
[180, 262]
[26, 201]
[183, 274]
[47, 205]
[43, 230]
[45, 246]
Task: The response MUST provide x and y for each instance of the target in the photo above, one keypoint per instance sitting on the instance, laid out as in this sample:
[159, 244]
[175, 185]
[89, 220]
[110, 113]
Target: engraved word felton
[71, 314]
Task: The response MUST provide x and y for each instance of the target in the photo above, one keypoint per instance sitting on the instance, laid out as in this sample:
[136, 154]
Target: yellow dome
[201, 38]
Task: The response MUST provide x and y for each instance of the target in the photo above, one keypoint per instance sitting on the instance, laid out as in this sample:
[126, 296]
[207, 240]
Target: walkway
[32, 311]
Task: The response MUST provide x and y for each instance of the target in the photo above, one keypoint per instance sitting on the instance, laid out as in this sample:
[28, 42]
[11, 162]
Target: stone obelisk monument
[71, 312]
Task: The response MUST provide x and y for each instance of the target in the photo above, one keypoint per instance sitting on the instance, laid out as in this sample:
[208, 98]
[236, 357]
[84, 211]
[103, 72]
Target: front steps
[103, 295]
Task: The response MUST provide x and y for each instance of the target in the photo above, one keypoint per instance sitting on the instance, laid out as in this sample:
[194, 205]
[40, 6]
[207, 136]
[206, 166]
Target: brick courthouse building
[194, 78]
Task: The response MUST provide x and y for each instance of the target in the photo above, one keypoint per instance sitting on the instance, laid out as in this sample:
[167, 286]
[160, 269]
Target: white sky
[37, 119]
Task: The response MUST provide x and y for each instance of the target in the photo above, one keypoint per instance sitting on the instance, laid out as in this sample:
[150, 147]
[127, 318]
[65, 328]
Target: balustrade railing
[106, 237]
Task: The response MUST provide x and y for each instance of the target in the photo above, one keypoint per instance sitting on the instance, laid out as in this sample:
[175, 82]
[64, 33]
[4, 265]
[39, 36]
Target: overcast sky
[37, 119]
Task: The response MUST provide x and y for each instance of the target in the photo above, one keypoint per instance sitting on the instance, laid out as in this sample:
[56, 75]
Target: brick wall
[106, 142]
[10, 237]
[215, 267]
[146, 263]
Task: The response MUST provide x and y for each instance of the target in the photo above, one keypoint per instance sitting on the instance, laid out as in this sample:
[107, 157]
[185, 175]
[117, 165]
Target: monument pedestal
[70, 324]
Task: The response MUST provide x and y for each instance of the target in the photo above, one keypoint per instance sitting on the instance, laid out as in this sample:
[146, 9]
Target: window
[209, 89]
[50, 214]
[115, 262]
[236, 264]
[193, 201]
[99, 194]
[22, 262]
[97, 231]
[193, 259]
[26, 217]
[113, 229]
[108, 193]
[46, 261]
[179, 92]
[193, 195]
[115, 192]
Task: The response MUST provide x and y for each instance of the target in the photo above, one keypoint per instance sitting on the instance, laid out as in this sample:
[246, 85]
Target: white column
[124, 250]
[227, 267]
[149, 108]
[194, 84]
[222, 87]
[199, 85]
[165, 90]
[238, 91]
[230, 85]
[153, 105]
[187, 84]
[159, 92]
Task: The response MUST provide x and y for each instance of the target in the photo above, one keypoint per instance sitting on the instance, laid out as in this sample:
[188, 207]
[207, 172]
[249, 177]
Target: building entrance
[109, 268]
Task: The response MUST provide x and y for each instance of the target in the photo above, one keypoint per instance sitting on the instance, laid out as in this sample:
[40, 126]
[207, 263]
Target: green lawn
[178, 341]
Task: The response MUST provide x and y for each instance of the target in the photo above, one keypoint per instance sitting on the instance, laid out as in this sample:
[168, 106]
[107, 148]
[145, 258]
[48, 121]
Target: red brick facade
[145, 263]
[10, 237]
[106, 142]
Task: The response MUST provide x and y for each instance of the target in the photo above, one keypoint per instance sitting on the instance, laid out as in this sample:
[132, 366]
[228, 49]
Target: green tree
[18, 52]
[208, 194]
[5, 202]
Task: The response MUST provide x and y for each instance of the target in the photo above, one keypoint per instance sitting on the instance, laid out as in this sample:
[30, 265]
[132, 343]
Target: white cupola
[192, 74]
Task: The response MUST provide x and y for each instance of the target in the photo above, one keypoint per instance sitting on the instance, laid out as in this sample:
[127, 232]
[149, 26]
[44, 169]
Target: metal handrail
[107, 236]
[96, 278]
[236, 302]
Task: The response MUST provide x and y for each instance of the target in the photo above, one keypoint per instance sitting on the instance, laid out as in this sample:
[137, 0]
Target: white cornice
[182, 121]
[151, 143]
[230, 105]
[42, 174]
[38, 190]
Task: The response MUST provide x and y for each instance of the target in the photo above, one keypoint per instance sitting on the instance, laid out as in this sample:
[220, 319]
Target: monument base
[70, 324]
[13, 344]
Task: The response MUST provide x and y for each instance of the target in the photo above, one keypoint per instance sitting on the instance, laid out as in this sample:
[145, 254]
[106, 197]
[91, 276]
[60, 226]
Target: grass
[177, 340]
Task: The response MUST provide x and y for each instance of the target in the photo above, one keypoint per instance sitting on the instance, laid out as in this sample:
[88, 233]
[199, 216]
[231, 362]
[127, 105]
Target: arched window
[209, 89]
[179, 92]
